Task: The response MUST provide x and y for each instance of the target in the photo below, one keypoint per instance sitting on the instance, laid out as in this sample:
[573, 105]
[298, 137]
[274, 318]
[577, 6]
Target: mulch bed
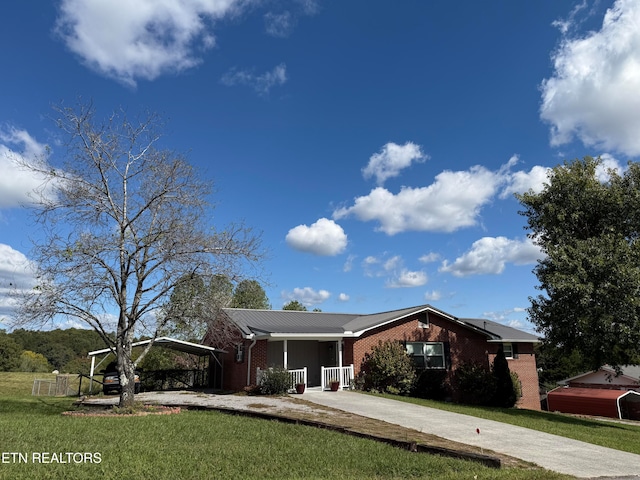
[137, 412]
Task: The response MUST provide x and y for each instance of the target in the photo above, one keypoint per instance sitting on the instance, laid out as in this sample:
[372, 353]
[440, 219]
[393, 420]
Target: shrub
[505, 395]
[34, 362]
[476, 384]
[388, 368]
[517, 385]
[275, 381]
[431, 384]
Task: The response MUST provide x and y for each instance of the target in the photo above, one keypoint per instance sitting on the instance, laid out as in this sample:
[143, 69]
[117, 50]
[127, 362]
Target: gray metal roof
[501, 332]
[282, 322]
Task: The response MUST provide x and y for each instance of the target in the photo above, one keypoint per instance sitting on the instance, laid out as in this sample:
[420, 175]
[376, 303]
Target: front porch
[343, 375]
[313, 361]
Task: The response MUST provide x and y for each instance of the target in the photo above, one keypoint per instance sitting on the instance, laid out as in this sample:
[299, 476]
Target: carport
[211, 357]
[595, 401]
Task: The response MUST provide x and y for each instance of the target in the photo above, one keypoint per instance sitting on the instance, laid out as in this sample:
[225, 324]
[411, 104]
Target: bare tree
[128, 220]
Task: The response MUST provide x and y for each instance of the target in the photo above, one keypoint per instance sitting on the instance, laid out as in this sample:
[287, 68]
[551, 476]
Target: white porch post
[285, 354]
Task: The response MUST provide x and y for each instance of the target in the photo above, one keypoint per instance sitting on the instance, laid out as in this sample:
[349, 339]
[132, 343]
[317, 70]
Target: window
[508, 350]
[240, 352]
[427, 355]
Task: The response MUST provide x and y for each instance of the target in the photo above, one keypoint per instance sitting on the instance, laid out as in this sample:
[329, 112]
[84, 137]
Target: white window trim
[443, 355]
[504, 348]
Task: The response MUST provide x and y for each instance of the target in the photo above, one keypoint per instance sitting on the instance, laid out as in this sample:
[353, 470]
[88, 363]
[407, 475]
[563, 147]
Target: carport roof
[168, 342]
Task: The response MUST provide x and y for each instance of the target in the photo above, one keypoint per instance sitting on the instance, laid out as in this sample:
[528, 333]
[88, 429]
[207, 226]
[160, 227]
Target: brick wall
[464, 345]
[525, 367]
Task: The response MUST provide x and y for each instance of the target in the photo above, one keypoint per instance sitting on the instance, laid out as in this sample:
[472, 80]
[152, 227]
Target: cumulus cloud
[609, 163]
[343, 297]
[17, 273]
[489, 255]
[594, 92]
[391, 159]
[16, 182]
[407, 279]
[144, 39]
[429, 257]
[432, 296]
[398, 276]
[451, 202]
[261, 83]
[307, 296]
[325, 237]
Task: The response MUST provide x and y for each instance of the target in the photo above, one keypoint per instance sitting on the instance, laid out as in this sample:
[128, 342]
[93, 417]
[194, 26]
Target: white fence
[297, 376]
[344, 375]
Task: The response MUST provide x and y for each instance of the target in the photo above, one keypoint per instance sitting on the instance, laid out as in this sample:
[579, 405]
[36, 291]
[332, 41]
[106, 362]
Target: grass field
[199, 445]
[607, 434]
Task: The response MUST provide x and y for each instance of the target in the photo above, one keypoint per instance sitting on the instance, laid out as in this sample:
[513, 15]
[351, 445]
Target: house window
[427, 355]
[240, 352]
[508, 350]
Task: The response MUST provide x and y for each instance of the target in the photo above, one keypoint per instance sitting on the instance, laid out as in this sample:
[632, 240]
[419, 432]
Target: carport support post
[93, 364]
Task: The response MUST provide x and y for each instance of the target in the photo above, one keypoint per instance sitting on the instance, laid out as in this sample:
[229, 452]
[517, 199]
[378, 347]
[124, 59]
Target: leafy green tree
[250, 294]
[34, 362]
[388, 368]
[195, 305]
[9, 353]
[294, 305]
[588, 229]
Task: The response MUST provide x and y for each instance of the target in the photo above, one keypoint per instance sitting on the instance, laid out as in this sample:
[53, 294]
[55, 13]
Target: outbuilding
[596, 402]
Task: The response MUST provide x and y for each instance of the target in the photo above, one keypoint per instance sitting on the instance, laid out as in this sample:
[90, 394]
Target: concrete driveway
[552, 452]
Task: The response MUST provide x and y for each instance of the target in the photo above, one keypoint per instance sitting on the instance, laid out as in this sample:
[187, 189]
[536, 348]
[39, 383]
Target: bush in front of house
[275, 381]
[505, 394]
[431, 384]
[387, 369]
[475, 384]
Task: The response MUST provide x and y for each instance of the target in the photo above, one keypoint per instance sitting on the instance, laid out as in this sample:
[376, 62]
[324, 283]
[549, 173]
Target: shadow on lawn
[35, 405]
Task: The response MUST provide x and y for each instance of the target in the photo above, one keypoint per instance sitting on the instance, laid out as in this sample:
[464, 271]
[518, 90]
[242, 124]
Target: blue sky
[376, 145]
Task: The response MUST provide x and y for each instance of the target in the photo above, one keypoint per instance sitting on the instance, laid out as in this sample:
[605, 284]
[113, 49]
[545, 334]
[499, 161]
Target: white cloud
[325, 237]
[432, 296]
[429, 258]
[408, 279]
[452, 202]
[307, 296]
[343, 297]
[279, 24]
[608, 163]
[16, 182]
[348, 265]
[143, 39]
[594, 93]
[261, 84]
[489, 255]
[17, 273]
[389, 161]
[521, 182]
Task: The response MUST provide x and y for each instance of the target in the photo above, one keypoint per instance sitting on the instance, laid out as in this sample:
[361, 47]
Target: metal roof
[297, 323]
[500, 332]
[632, 372]
[167, 342]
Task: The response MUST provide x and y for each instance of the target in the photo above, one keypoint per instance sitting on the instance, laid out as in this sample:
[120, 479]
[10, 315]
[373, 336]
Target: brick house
[328, 345]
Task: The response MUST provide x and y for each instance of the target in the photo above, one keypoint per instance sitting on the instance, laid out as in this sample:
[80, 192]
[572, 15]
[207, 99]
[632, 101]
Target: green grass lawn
[202, 445]
[607, 434]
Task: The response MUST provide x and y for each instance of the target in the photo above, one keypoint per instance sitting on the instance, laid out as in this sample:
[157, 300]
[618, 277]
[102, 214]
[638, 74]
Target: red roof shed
[595, 401]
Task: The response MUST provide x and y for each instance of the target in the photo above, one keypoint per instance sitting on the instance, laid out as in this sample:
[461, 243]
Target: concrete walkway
[552, 452]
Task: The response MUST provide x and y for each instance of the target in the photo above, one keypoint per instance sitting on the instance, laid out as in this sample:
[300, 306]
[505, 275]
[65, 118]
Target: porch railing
[298, 375]
[342, 374]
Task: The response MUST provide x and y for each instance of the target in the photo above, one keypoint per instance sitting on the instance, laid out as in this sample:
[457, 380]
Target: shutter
[514, 347]
[447, 355]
